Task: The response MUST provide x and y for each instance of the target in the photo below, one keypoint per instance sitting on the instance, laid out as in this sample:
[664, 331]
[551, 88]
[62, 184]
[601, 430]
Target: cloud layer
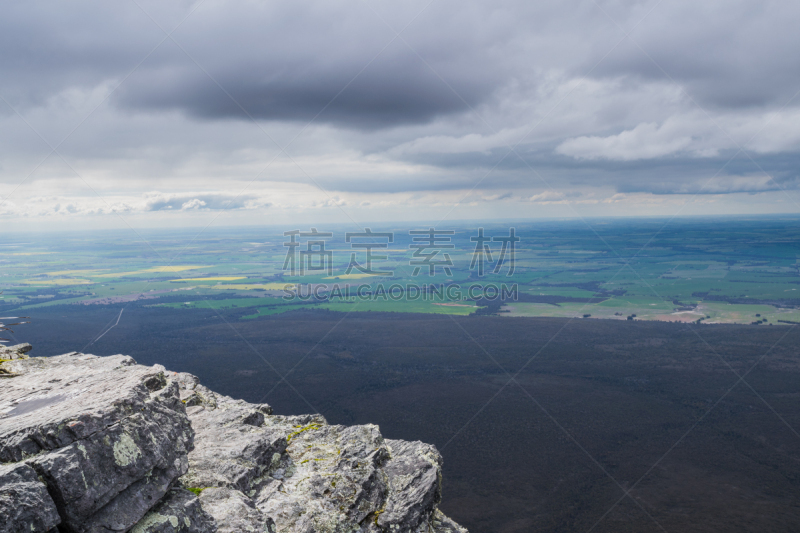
[258, 107]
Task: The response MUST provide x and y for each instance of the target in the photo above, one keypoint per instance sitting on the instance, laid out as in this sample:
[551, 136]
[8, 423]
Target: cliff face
[101, 444]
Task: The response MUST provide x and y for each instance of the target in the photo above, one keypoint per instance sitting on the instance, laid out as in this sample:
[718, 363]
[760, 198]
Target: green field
[711, 270]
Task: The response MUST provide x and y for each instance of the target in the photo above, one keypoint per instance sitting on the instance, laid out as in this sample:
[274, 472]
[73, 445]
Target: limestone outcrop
[101, 444]
[17, 351]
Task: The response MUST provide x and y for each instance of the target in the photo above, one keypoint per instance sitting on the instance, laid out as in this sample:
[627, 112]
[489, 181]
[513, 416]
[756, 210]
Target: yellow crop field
[218, 278]
[353, 276]
[176, 268]
[71, 272]
[166, 269]
[31, 253]
[61, 281]
[248, 287]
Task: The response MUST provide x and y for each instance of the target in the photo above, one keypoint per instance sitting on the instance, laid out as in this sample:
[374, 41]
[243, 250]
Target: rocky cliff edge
[101, 444]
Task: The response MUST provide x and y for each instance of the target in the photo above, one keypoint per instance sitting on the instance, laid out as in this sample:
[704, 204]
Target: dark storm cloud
[47, 47]
[284, 61]
[734, 53]
[339, 60]
[386, 94]
[288, 61]
[536, 168]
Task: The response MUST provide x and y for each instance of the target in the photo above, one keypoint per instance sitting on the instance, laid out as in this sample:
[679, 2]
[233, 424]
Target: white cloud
[701, 134]
[156, 201]
[194, 203]
[645, 141]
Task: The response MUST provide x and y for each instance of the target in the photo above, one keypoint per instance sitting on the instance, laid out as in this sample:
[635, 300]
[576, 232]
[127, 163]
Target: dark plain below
[597, 407]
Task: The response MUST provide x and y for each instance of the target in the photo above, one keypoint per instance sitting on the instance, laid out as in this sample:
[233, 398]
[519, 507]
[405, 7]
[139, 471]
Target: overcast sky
[143, 112]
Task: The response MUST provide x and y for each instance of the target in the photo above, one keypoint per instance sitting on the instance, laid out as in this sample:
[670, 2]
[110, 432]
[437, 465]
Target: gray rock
[25, 505]
[55, 401]
[415, 485]
[107, 436]
[306, 475]
[11, 353]
[193, 393]
[332, 479]
[442, 524]
[18, 351]
[233, 447]
[111, 440]
[179, 512]
[234, 512]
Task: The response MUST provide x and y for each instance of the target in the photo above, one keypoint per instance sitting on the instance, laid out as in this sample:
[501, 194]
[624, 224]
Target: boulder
[25, 505]
[415, 485]
[18, 351]
[107, 436]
